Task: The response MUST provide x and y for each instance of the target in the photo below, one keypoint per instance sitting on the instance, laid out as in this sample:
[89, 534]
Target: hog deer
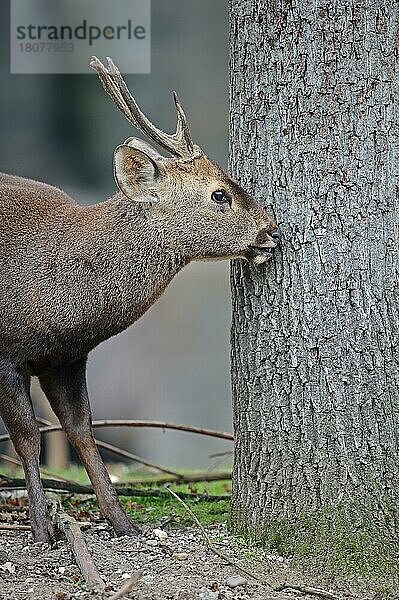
[73, 276]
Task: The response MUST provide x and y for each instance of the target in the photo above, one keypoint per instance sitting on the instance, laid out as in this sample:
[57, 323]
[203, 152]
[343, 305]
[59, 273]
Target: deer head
[204, 209]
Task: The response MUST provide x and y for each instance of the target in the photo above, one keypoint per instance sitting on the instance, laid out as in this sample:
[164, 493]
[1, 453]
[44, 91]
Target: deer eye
[221, 197]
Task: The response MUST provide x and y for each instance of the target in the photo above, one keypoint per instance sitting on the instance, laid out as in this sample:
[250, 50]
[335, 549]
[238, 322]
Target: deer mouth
[259, 255]
[264, 252]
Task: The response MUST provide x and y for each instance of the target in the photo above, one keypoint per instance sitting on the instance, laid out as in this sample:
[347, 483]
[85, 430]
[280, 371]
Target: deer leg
[17, 413]
[66, 391]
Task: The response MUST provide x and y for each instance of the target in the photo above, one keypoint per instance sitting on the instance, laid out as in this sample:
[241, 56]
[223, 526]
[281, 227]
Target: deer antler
[178, 144]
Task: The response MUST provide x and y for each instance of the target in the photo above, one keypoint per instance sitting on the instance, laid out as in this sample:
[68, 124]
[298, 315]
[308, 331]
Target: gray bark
[315, 363]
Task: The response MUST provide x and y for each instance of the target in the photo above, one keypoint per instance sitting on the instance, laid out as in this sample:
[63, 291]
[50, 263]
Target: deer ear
[139, 144]
[136, 173]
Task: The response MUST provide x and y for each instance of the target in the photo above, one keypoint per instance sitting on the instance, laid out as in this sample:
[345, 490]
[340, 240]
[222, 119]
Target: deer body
[77, 275]
[73, 276]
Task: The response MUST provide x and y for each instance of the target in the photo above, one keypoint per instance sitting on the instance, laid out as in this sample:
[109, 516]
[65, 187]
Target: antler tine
[178, 144]
[182, 125]
[110, 86]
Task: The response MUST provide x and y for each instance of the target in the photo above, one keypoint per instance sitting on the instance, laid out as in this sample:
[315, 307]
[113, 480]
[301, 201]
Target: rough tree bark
[315, 363]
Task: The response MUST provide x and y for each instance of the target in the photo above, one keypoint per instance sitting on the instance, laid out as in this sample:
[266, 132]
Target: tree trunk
[315, 363]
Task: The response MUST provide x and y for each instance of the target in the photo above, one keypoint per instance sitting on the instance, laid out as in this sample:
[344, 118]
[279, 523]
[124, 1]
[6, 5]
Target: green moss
[148, 509]
[151, 510]
[337, 543]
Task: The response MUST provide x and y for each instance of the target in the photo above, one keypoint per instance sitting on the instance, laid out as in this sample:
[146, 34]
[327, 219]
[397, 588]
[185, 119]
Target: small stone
[126, 576]
[236, 580]
[151, 542]
[148, 579]
[160, 534]
[41, 546]
[180, 555]
[274, 557]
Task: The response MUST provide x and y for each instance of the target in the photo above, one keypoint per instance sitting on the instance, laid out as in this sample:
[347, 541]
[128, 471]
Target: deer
[72, 276]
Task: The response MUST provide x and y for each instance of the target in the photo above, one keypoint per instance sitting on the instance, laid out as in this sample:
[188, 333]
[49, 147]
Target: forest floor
[172, 555]
[179, 568]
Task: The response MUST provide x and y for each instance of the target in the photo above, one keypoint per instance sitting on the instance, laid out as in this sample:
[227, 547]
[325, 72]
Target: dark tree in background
[315, 364]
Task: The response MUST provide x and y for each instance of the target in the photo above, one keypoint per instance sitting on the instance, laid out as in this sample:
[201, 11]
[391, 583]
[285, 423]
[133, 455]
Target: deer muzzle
[262, 250]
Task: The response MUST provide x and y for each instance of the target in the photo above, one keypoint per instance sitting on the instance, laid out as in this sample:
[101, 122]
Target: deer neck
[133, 259]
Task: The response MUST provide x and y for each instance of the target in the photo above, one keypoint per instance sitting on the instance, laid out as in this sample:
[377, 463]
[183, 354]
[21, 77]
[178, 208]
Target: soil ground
[179, 567]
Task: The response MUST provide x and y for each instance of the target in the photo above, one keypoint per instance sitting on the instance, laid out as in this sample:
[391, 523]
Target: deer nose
[265, 240]
[276, 235]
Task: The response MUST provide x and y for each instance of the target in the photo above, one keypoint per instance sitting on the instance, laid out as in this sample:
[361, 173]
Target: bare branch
[186, 478]
[120, 452]
[71, 530]
[162, 425]
[127, 586]
[142, 423]
[10, 483]
[10, 527]
[15, 461]
[135, 458]
[49, 427]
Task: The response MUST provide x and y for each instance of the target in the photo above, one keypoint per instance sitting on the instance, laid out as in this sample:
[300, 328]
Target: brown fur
[72, 276]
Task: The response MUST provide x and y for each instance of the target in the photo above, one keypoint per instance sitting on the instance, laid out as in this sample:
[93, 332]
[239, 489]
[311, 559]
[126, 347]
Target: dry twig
[163, 425]
[280, 588]
[50, 427]
[115, 450]
[73, 534]
[186, 478]
[134, 458]
[15, 461]
[142, 423]
[10, 527]
[127, 586]
[10, 483]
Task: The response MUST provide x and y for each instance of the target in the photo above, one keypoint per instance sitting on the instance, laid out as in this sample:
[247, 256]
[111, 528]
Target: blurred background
[173, 364]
